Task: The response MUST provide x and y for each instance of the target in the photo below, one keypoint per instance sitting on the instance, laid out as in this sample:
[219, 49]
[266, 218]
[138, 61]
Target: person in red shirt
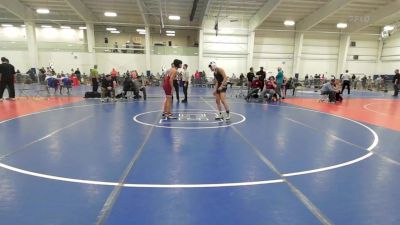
[114, 74]
[269, 91]
[197, 77]
[168, 86]
[255, 86]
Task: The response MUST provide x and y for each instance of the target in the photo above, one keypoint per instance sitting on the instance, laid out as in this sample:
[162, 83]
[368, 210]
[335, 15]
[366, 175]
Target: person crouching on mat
[108, 88]
[168, 86]
[220, 90]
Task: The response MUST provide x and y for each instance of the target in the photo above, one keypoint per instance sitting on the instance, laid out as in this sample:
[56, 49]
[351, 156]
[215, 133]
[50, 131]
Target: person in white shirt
[346, 82]
[185, 79]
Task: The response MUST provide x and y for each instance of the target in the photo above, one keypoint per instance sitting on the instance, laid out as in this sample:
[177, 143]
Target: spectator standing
[94, 76]
[176, 81]
[7, 79]
[185, 79]
[115, 50]
[261, 76]
[78, 75]
[250, 76]
[396, 83]
[279, 82]
[346, 82]
[355, 82]
[364, 82]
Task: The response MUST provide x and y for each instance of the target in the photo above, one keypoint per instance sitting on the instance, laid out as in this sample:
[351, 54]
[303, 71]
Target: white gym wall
[390, 59]
[229, 49]
[273, 50]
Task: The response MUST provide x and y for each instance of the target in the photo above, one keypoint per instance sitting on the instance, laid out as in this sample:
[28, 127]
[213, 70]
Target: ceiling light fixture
[140, 30]
[115, 32]
[289, 23]
[65, 27]
[388, 28]
[341, 25]
[43, 11]
[82, 28]
[46, 26]
[173, 17]
[171, 35]
[111, 28]
[170, 32]
[110, 14]
[7, 25]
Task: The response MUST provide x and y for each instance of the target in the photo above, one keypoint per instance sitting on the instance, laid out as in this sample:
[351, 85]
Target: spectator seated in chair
[255, 86]
[127, 86]
[269, 93]
[108, 88]
[290, 85]
[133, 85]
[139, 84]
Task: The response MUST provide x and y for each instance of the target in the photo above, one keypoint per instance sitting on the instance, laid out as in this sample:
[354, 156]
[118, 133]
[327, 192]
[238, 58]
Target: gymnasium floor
[78, 162]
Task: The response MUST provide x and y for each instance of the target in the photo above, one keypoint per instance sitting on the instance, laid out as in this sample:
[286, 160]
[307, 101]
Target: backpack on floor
[92, 94]
[121, 95]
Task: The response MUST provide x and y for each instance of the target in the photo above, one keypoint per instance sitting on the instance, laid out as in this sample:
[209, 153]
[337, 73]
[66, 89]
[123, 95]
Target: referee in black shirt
[7, 78]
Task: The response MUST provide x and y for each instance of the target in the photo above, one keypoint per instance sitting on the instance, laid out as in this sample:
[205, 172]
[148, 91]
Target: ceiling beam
[143, 11]
[374, 17]
[193, 11]
[18, 9]
[207, 4]
[263, 14]
[322, 13]
[82, 11]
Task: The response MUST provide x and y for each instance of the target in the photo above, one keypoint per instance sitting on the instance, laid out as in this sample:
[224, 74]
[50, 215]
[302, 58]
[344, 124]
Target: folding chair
[25, 89]
[38, 89]
[238, 91]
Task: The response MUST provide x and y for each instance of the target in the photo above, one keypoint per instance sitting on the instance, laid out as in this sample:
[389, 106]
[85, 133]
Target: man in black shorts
[7, 78]
[220, 90]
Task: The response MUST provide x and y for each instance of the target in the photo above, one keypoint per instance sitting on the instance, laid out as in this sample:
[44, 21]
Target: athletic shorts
[168, 90]
[221, 91]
